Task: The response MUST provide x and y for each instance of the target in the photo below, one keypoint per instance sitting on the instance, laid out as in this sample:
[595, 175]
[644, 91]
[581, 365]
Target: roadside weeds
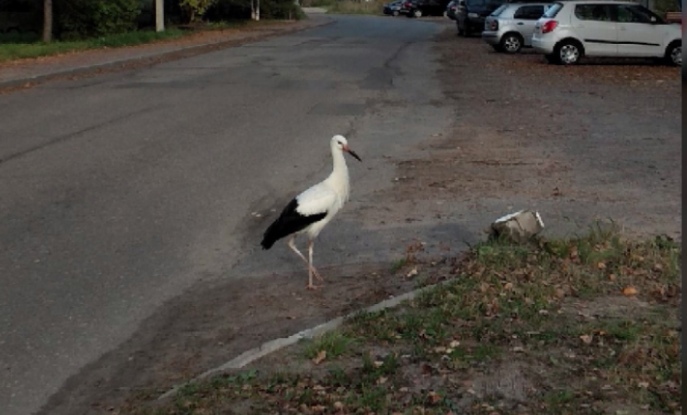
[584, 325]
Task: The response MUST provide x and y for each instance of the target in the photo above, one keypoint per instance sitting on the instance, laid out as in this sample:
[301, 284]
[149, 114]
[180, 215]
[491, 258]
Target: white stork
[311, 210]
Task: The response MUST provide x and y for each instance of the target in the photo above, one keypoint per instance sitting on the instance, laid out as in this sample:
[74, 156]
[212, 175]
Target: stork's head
[340, 142]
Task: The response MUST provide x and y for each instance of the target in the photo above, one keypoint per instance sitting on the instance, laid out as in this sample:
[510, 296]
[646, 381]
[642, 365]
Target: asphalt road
[118, 192]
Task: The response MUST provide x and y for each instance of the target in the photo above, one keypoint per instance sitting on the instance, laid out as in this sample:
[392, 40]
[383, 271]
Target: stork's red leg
[311, 270]
[314, 271]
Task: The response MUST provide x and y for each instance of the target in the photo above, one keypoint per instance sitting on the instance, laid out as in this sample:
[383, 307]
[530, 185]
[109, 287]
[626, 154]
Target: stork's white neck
[338, 179]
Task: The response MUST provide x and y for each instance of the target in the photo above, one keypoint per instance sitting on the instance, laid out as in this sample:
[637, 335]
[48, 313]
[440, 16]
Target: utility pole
[159, 15]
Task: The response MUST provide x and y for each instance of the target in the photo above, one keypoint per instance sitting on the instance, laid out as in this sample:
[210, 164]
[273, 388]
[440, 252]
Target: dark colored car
[470, 15]
[419, 8]
[393, 8]
[451, 9]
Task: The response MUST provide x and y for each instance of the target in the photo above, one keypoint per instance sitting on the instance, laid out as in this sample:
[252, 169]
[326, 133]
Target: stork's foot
[316, 274]
[313, 287]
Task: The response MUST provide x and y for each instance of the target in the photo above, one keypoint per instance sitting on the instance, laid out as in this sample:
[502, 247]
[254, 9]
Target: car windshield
[500, 10]
[553, 10]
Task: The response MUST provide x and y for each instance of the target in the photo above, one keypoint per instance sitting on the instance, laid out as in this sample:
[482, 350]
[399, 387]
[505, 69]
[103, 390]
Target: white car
[572, 29]
[510, 27]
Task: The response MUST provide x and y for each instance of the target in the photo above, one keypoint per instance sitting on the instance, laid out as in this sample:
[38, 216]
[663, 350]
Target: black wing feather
[288, 222]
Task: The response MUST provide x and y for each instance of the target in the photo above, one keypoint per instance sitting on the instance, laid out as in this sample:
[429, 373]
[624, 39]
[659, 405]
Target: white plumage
[312, 209]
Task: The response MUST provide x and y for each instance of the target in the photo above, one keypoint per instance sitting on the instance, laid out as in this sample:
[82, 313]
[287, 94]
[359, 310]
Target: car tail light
[494, 25]
[549, 26]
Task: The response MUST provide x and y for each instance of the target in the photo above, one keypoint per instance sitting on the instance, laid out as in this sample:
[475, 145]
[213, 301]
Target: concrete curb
[272, 346]
[153, 57]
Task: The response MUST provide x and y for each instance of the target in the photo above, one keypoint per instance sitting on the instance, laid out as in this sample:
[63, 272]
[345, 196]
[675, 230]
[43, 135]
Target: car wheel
[674, 54]
[417, 13]
[511, 43]
[466, 29]
[568, 52]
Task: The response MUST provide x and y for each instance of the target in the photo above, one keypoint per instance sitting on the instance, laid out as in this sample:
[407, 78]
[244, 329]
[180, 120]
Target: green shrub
[81, 19]
[194, 10]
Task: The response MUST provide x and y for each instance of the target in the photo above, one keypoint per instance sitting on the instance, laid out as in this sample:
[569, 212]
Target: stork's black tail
[270, 236]
[288, 222]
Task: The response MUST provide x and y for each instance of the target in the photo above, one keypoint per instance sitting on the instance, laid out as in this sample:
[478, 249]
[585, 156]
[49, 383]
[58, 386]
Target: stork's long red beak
[352, 153]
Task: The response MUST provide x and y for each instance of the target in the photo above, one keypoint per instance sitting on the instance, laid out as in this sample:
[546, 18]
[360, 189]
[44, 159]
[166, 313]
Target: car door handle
[520, 24]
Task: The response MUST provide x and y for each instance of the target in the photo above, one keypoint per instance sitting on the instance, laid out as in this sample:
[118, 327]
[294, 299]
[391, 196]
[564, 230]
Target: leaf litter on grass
[542, 328]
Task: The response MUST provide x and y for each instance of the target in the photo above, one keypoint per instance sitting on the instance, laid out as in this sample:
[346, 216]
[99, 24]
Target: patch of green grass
[334, 343]
[558, 400]
[355, 7]
[502, 297]
[372, 398]
[398, 265]
[22, 48]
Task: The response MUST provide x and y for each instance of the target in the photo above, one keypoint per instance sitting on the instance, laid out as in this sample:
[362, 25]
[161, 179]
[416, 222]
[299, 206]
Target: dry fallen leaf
[382, 380]
[412, 273]
[321, 355]
[454, 344]
[587, 338]
[601, 265]
[630, 291]
[433, 397]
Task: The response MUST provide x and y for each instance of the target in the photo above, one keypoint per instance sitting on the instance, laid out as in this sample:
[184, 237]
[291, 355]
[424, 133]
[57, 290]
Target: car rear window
[553, 10]
[500, 10]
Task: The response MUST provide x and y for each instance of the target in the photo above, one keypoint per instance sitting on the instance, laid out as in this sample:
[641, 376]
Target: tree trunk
[47, 21]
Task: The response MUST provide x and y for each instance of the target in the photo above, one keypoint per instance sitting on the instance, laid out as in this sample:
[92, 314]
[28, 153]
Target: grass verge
[586, 325]
[24, 46]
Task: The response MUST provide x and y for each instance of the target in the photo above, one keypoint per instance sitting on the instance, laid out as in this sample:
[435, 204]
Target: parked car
[510, 27]
[470, 14]
[419, 8]
[393, 8]
[570, 30]
[451, 9]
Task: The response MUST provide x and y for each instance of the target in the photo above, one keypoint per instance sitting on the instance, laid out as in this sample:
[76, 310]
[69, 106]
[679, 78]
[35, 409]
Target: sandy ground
[597, 141]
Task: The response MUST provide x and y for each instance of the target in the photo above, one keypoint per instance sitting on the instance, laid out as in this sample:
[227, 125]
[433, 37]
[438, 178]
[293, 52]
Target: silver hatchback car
[510, 27]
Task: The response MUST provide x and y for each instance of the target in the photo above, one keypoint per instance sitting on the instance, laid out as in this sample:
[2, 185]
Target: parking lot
[596, 141]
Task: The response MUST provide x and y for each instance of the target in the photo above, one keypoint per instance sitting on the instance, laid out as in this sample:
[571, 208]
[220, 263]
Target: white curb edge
[277, 344]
